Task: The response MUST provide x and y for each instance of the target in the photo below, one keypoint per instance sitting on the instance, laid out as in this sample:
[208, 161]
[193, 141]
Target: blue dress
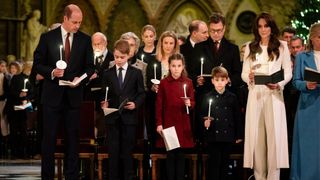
[305, 163]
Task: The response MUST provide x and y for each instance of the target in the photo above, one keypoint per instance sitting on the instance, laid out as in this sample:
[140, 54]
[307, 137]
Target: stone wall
[114, 17]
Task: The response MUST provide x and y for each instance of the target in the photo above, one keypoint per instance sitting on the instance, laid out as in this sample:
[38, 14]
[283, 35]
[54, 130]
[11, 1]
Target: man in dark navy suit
[125, 86]
[63, 102]
[198, 33]
[102, 58]
[216, 51]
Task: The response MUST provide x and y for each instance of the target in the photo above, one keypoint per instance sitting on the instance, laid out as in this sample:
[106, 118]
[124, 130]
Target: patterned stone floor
[20, 169]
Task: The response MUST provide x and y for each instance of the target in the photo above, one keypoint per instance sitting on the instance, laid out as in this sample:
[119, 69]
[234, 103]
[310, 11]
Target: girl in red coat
[171, 110]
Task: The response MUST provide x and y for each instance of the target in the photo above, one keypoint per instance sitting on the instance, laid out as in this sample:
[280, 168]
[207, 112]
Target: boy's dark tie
[120, 77]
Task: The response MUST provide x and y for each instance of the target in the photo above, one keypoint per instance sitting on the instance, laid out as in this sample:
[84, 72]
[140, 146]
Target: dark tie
[99, 60]
[215, 47]
[67, 48]
[120, 79]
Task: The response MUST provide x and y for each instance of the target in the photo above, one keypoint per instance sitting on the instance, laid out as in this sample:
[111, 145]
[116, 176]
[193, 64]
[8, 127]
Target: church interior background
[114, 17]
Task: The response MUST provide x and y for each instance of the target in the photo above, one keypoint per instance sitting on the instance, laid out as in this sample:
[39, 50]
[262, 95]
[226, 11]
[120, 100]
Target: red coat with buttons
[171, 110]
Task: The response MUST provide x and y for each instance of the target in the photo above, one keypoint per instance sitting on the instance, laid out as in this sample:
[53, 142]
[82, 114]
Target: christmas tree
[307, 14]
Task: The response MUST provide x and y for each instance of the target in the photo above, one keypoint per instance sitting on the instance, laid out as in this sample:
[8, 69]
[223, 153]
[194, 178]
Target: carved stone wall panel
[179, 13]
[153, 8]
[180, 20]
[104, 10]
[90, 22]
[223, 5]
[233, 32]
[52, 9]
[230, 15]
[282, 11]
[127, 16]
[114, 17]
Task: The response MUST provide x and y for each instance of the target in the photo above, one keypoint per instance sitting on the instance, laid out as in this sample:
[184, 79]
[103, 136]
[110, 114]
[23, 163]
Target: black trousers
[218, 159]
[70, 118]
[175, 164]
[121, 141]
[18, 133]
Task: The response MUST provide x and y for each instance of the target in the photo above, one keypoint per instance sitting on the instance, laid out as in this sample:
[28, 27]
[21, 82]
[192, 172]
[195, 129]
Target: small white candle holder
[61, 64]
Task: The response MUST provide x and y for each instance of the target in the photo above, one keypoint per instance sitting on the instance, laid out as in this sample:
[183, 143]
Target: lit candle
[107, 89]
[185, 96]
[201, 70]
[142, 56]
[61, 52]
[155, 71]
[25, 82]
[209, 109]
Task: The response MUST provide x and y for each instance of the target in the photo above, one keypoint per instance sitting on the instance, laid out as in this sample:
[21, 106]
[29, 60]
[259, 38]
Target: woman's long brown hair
[274, 43]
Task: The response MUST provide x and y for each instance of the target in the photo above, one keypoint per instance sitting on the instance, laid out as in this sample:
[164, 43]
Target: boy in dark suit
[125, 83]
[223, 124]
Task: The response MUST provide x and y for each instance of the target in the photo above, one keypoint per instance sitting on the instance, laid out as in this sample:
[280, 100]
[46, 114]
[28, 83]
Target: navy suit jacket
[97, 82]
[133, 90]
[187, 50]
[228, 55]
[81, 61]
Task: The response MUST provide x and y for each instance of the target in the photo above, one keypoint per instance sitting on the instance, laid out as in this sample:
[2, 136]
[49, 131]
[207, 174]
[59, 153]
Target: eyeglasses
[218, 31]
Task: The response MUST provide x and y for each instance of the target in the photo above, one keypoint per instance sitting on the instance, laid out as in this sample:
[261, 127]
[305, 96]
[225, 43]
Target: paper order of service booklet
[69, 83]
[311, 75]
[170, 138]
[23, 106]
[108, 111]
[273, 78]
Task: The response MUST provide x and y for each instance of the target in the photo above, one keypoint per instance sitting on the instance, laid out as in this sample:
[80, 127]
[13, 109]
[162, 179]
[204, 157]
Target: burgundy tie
[67, 48]
[216, 47]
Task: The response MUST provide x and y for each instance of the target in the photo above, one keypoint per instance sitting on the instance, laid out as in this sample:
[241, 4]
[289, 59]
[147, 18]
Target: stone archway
[180, 13]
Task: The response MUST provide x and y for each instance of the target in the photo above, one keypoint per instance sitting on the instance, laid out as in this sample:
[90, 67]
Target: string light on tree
[306, 16]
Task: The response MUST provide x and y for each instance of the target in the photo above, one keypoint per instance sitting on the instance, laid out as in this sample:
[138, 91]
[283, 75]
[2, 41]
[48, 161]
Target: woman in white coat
[266, 146]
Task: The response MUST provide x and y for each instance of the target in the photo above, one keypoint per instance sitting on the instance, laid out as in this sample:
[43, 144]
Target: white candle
[185, 95]
[155, 71]
[201, 70]
[61, 52]
[25, 83]
[142, 56]
[107, 89]
[209, 109]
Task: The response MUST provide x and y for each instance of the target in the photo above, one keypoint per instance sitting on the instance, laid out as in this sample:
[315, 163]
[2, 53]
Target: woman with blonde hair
[306, 145]
[158, 68]
[147, 51]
